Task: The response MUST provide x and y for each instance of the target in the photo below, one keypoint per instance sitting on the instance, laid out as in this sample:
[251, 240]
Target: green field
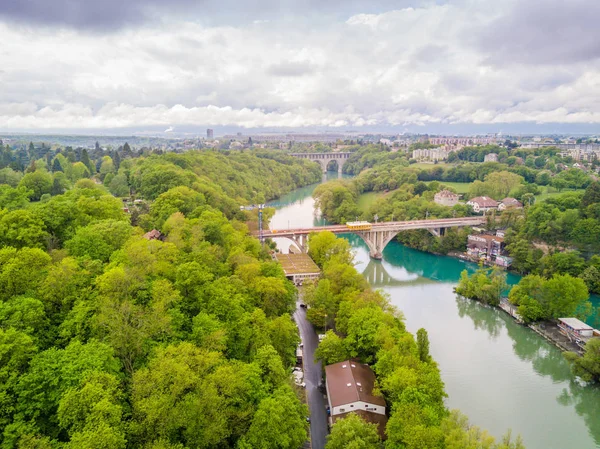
[548, 192]
[460, 187]
[426, 165]
[366, 199]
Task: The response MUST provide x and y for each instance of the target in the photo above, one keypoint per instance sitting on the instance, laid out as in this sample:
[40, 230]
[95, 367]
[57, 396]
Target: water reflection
[545, 359]
[483, 317]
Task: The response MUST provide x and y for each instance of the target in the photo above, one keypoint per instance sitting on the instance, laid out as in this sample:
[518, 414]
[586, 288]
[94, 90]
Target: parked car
[303, 305]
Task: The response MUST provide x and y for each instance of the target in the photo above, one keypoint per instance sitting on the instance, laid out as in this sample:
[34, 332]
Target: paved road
[312, 377]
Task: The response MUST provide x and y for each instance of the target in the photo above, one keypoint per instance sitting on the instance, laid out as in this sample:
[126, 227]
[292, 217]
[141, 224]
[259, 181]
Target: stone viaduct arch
[323, 159]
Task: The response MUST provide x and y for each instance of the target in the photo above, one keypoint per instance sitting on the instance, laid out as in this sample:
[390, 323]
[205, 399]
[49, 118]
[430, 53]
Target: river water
[502, 375]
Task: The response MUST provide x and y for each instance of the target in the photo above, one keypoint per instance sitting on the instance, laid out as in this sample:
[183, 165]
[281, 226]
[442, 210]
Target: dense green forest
[369, 328]
[111, 340]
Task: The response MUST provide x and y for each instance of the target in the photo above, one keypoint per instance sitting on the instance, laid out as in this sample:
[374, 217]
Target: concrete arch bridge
[379, 235]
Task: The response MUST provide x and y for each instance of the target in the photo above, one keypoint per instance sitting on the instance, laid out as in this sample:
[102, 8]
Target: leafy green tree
[423, 345]
[91, 413]
[11, 198]
[284, 337]
[352, 432]
[560, 296]
[38, 183]
[176, 398]
[21, 271]
[591, 277]
[119, 186]
[78, 171]
[485, 285]
[60, 184]
[325, 246]
[16, 350]
[587, 366]
[331, 349]
[24, 314]
[22, 228]
[178, 199]
[10, 177]
[279, 422]
[52, 373]
[99, 240]
[107, 166]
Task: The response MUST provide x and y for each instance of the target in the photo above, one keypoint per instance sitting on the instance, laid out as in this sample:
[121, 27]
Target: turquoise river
[502, 375]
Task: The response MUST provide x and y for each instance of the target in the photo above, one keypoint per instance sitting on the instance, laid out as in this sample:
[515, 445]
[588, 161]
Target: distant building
[484, 246]
[482, 204]
[435, 154]
[446, 198]
[464, 141]
[510, 203]
[350, 390]
[491, 157]
[210, 134]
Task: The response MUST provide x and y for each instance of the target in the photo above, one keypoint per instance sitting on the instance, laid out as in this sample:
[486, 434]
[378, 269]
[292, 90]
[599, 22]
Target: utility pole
[376, 217]
[260, 208]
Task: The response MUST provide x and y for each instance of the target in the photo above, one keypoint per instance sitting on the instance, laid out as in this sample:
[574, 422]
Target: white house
[491, 157]
[482, 204]
[510, 203]
[350, 390]
[446, 198]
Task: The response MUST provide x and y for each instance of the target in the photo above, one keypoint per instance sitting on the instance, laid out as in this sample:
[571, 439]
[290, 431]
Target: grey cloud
[543, 32]
[80, 14]
[113, 14]
[291, 68]
[431, 54]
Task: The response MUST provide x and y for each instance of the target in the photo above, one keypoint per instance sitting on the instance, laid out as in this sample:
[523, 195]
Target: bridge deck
[384, 226]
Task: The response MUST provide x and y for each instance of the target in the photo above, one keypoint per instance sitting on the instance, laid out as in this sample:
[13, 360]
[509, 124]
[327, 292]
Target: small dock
[298, 267]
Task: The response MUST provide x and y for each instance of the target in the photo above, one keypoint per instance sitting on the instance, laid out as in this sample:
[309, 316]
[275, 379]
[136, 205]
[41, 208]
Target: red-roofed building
[483, 204]
[155, 234]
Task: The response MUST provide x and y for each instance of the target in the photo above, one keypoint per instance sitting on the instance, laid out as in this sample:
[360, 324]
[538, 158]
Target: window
[342, 410]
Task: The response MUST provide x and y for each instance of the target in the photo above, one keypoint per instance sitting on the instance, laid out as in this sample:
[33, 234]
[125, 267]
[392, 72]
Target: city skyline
[464, 67]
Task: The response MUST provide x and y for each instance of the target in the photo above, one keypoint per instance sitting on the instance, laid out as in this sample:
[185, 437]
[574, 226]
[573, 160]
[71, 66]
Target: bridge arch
[323, 159]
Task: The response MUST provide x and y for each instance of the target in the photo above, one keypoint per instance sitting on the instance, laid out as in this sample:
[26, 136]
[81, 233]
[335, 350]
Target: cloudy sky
[480, 65]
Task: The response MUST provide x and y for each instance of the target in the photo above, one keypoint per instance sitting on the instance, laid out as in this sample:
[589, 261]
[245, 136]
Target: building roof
[575, 324]
[155, 234]
[446, 194]
[511, 202]
[297, 264]
[484, 201]
[486, 237]
[351, 381]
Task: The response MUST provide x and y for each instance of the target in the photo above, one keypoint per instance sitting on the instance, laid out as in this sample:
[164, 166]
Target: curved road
[312, 377]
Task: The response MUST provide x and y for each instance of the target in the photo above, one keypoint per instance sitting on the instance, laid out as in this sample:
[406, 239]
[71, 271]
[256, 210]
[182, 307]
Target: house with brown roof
[510, 203]
[349, 387]
[446, 198]
[483, 204]
[155, 234]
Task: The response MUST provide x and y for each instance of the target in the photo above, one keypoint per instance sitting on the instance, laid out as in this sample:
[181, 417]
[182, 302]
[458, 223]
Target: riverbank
[498, 372]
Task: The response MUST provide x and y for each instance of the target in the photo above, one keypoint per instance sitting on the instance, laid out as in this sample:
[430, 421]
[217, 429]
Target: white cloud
[415, 65]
